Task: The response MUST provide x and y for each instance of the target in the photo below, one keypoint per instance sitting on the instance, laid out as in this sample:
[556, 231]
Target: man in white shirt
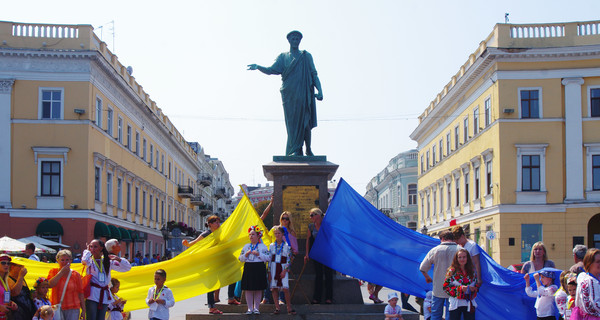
[114, 247]
[471, 246]
[30, 252]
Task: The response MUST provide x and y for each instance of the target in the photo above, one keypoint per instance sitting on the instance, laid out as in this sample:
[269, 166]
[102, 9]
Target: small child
[392, 310]
[427, 305]
[46, 313]
[544, 303]
[560, 297]
[254, 277]
[115, 307]
[160, 298]
[572, 289]
[40, 296]
[281, 259]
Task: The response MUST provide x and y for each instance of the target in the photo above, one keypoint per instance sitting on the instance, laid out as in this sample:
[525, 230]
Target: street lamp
[165, 234]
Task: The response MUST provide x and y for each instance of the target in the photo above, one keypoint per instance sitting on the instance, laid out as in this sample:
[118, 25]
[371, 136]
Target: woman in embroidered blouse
[254, 278]
[539, 259]
[98, 264]
[587, 299]
[57, 277]
[460, 286]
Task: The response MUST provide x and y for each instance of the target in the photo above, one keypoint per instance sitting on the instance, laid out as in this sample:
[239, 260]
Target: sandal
[215, 311]
[292, 311]
[233, 302]
[276, 311]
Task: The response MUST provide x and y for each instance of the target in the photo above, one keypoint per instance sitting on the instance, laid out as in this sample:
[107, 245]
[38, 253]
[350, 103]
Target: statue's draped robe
[297, 93]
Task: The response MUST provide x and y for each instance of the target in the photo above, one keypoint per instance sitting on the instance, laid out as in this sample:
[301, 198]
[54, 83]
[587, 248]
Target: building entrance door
[594, 232]
[530, 234]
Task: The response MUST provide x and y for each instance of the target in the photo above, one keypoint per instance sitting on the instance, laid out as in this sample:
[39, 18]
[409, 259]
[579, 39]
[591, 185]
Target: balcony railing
[205, 180]
[220, 193]
[197, 200]
[185, 191]
[205, 209]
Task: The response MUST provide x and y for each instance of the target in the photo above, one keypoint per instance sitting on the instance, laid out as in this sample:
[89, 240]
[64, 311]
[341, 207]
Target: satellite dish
[130, 70]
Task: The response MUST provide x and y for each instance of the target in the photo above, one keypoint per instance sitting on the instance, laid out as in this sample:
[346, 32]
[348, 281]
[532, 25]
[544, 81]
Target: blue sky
[380, 64]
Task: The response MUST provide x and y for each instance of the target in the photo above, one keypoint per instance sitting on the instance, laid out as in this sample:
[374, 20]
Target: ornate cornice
[6, 86]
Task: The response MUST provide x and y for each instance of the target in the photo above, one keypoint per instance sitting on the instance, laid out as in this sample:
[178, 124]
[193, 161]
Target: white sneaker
[249, 312]
[256, 311]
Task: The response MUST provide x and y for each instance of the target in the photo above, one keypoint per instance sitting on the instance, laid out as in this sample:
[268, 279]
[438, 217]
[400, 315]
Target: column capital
[577, 80]
[6, 85]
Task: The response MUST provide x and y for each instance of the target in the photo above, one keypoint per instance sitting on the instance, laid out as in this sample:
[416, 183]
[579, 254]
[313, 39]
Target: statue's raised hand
[252, 66]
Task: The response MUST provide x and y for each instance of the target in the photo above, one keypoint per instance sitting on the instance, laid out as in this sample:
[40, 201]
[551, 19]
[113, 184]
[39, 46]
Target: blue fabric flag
[357, 239]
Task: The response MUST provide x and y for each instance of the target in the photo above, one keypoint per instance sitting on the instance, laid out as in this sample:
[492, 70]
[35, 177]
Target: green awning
[49, 226]
[125, 235]
[101, 230]
[114, 232]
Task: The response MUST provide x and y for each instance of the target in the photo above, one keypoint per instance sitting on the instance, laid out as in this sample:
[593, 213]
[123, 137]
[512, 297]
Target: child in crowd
[45, 313]
[572, 290]
[427, 305]
[254, 278]
[281, 260]
[544, 294]
[393, 311]
[560, 297]
[40, 296]
[160, 298]
[115, 307]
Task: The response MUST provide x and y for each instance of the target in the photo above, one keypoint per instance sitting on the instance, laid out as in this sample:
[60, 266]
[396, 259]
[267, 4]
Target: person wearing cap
[393, 311]
[579, 252]
[300, 79]
[544, 294]
[6, 305]
[30, 252]
[113, 247]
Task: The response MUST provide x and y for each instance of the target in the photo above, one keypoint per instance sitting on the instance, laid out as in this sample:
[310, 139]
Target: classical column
[5, 141]
[573, 139]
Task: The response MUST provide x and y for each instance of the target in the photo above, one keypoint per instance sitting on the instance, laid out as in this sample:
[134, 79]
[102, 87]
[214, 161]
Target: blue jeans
[437, 308]
[92, 311]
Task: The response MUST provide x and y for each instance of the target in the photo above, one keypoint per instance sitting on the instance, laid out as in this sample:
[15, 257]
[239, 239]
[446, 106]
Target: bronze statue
[299, 77]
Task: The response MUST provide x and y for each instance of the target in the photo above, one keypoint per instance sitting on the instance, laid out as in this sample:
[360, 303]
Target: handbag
[86, 280]
[56, 307]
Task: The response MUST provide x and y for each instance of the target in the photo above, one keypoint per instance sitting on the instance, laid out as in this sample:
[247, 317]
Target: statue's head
[295, 32]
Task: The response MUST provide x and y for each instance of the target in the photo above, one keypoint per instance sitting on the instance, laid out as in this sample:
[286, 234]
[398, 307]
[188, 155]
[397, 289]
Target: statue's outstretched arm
[260, 68]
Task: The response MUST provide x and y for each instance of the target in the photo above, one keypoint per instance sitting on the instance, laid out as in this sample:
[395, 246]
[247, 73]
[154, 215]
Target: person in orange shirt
[73, 299]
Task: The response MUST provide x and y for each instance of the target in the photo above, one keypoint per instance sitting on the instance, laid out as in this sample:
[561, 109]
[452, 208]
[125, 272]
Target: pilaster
[573, 139]
[6, 86]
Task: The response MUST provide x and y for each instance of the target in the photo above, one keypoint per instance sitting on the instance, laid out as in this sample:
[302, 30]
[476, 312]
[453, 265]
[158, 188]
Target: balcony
[205, 209]
[197, 200]
[220, 193]
[185, 191]
[228, 201]
[204, 180]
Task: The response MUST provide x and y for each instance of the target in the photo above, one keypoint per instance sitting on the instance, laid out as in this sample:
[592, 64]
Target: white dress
[284, 251]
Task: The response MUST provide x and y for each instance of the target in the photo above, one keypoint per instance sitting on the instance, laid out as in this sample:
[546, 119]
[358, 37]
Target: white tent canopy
[11, 246]
[42, 241]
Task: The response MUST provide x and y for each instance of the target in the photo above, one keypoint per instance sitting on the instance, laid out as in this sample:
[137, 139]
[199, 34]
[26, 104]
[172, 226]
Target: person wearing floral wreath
[254, 278]
[460, 285]
[587, 298]
[279, 265]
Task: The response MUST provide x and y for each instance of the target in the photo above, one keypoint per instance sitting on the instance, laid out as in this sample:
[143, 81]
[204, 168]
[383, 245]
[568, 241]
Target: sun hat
[392, 295]
[547, 274]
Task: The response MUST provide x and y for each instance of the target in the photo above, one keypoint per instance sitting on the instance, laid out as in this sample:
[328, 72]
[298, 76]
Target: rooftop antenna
[112, 31]
[506, 17]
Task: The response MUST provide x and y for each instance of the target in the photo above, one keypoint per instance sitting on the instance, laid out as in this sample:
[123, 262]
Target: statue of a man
[299, 77]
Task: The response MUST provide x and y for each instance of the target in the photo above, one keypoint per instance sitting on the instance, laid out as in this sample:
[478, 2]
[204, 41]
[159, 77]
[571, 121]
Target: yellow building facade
[86, 153]
[510, 148]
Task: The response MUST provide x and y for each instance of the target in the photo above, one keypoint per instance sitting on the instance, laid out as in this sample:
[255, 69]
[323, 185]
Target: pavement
[198, 304]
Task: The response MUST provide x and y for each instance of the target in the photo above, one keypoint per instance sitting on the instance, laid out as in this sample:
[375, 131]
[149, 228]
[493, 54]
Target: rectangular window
[434, 154]
[476, 121]
[466, 130]
[169, 170]
[456, 137]
[448, 143]
[530, 105]
[137, 200]
[596, 172]
[457, 183]
[428, 205]
[97, 184]
[50, 179]
[137, 143]
[109, 122]
[162, 211]
[144, 149]
[51, 104]
[99, 112]
[119, 193]
[488, 179]
[156, 160]
[412, 194]
[150, 207]
[441, 144]
[434, 202]
[156, 209]
[449, 196]
[128, 196]
[422, 164]
[427, 160]
[144, 204]
[151, 154]
[120, 130]
[476, 177]
[530, 234]
[488, 112]
[530, 172]
[162, 163]
[109, 191]
[595, 102]
[129, 146]
[467, 187]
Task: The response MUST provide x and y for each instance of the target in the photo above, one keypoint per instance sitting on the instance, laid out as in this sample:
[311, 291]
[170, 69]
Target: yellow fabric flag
[210, 264]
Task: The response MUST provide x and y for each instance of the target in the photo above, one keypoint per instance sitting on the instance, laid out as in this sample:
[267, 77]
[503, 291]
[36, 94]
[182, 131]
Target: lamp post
[165, 234]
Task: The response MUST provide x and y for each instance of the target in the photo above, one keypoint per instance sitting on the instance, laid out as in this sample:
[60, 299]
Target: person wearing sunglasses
[316, 216]
[6, 305]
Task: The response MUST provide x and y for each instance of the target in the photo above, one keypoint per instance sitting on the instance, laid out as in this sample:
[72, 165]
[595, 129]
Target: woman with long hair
[98, 263]
[460, 285]
[285, 220]
[539, 259]
[587, 299]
